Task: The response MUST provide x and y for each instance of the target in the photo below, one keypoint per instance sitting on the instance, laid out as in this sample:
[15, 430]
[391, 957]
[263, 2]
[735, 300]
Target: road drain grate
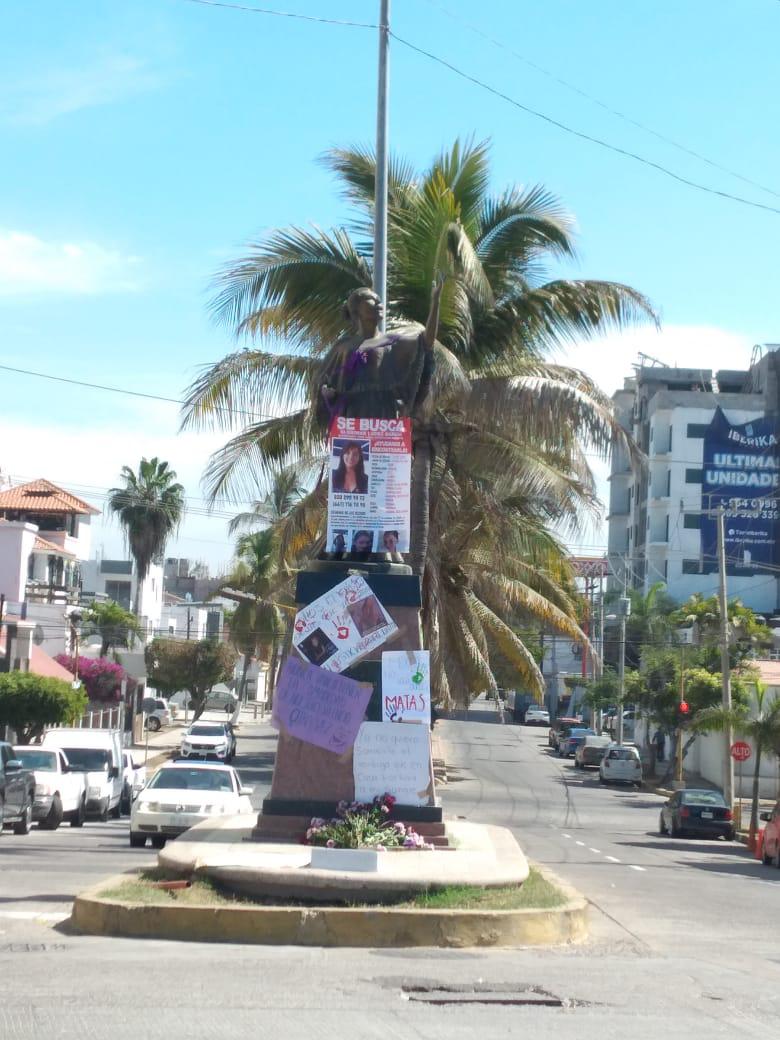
[503, 995]
[21, 947]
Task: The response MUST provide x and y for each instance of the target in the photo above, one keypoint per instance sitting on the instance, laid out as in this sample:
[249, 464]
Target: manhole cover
[506, 994]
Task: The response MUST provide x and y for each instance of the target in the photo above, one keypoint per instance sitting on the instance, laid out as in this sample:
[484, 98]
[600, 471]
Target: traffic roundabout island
[287, 894]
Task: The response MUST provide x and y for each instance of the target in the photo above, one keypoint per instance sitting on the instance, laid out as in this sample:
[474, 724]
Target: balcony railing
[39, 592]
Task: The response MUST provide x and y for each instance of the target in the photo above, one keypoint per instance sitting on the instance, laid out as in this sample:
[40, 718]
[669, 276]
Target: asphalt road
[683, 932]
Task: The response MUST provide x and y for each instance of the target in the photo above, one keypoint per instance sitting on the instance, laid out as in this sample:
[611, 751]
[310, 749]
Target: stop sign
[740, 751]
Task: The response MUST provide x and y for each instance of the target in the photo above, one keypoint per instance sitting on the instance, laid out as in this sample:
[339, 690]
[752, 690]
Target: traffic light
[683, 708]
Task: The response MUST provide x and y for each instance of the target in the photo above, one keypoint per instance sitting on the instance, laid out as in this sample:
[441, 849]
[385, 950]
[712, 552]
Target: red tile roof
[41, 496]
[42, 545]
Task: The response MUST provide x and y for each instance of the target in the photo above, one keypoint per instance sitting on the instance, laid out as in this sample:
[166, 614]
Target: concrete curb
[333, 926]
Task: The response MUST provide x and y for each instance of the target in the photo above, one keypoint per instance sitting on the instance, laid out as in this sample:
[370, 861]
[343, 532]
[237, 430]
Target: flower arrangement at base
[361, 825]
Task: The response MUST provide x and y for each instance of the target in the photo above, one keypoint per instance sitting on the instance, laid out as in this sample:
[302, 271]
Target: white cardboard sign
[341, 627]
[393, 760]
[406, 686]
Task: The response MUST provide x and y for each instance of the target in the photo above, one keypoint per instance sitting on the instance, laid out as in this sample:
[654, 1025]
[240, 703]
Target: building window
[691, 567]
[694, 476]
[692, 521]
[668, 482]
[666, 529]
[697, 429]
[666, 570]
[119, 592]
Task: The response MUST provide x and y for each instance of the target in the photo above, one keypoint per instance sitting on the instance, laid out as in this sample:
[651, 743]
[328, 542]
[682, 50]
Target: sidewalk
[165, 743]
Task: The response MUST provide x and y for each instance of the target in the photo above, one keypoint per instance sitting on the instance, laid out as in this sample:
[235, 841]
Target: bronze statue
[378, 375]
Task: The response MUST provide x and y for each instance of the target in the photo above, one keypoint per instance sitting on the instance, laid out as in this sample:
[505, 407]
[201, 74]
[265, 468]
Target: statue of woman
[378, 375]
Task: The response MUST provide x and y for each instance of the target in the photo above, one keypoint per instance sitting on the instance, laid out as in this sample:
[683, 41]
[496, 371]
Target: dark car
[17, 792]
[570, 739]
[703, 813]
[557, 726]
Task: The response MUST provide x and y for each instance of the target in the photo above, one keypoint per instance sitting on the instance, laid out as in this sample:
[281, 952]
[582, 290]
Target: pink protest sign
[320, 707]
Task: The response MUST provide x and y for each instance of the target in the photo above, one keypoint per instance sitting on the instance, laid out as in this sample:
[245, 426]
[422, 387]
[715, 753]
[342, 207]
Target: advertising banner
[406, 686]
[741, 471]
[341, 627]
[370, 484]
[318, 706]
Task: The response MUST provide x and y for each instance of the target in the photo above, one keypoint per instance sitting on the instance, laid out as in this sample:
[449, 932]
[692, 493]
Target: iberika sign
[741, 472]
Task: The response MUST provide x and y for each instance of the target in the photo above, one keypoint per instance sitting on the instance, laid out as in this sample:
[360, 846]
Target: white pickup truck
[60, 793]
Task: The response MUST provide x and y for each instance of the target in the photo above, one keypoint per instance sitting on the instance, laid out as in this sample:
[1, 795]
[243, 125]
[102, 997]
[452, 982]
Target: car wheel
[676, 831]
[766, 858]
[23, 826]
[53, 817]
[77, 816]
[662, 825]
[116, 812]
[137, 841]
[158, 841]
[2, 814]
[730, 835]
[776, 857]
[153, 724]
[601, 779]
[103, 814]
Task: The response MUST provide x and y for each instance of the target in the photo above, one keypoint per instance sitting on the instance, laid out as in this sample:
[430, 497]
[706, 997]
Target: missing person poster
[370, 484]
[341, 627]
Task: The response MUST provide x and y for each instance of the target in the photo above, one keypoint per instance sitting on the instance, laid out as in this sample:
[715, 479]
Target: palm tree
[762, 729]
[113, 623]
[498, 414]
[256, 624]
[150, 508]
[286, 491]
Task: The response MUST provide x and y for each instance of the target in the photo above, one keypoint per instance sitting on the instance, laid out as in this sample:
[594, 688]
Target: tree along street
[683, 938]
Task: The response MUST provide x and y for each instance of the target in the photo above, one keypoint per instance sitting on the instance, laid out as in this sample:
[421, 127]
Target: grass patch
[536, 893]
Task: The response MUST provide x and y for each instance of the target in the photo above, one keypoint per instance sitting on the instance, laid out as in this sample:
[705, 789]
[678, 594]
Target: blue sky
[146, 143]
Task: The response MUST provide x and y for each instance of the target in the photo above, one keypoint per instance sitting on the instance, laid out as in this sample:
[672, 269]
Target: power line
[579, 133]
[596, 101]
[284, 14]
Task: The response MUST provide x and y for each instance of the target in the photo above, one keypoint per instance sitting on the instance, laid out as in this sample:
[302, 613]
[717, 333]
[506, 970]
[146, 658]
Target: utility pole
[678, 743]
[728, 762]
[189, 622]
[380, 188]
[624, 612]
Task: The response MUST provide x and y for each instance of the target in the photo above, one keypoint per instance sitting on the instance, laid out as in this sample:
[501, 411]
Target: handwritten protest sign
[318, 706]
[370, 483]
[394, 760]
[341, 627]
[406, 686]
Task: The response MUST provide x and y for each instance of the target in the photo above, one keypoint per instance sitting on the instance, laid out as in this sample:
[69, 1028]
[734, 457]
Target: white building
[656, 515]
[118, 580]
[44, 541]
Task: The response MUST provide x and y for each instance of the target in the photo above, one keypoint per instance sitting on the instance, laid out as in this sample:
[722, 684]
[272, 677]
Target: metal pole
[678, 743]
[622, 678]
[380, 190]
[728, 765]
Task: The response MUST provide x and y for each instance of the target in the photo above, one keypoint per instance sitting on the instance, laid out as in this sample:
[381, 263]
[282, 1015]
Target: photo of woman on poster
[350, 475]
[390, 541]
[339, 541]
[362, 541]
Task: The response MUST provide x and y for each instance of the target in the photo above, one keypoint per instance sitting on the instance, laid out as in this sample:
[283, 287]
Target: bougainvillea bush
[102, 678]
[361, 825]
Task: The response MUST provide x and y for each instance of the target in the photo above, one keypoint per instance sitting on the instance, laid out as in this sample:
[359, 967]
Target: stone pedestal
[310, 781]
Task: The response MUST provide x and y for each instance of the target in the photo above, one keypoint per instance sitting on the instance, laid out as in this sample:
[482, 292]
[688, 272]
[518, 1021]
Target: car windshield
[207, 731]
[623, 754]
[90, 760]
[703, 798]
[44, 761]
[575, 734]
[193, 780]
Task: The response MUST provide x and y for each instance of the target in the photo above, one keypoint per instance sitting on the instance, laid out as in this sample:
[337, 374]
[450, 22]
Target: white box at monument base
[323, 858]
[393, 758]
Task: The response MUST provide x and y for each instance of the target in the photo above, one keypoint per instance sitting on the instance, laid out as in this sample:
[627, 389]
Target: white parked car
[160, 715]
[621, 764]
[134, 779]
[60, 793]
[208, 739]
[182, 794]
[536, 716]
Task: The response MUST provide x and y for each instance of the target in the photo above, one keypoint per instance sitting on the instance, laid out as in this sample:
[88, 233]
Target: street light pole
[725, 666]
[380, 186]
[624, 611]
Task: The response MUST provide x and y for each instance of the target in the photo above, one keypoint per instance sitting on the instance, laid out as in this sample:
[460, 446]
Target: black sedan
[696, 812]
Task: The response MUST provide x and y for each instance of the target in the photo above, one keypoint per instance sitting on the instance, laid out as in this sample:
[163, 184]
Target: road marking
[633, 866]
[597, 851]
[580, 843]
[612, 859]
[566, 835]
[33, 915]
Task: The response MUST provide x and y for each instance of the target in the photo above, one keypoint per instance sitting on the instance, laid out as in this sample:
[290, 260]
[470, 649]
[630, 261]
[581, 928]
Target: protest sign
[318, 706]
[406, 686]
[370, 483]
[395, 760]
[341, 627]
